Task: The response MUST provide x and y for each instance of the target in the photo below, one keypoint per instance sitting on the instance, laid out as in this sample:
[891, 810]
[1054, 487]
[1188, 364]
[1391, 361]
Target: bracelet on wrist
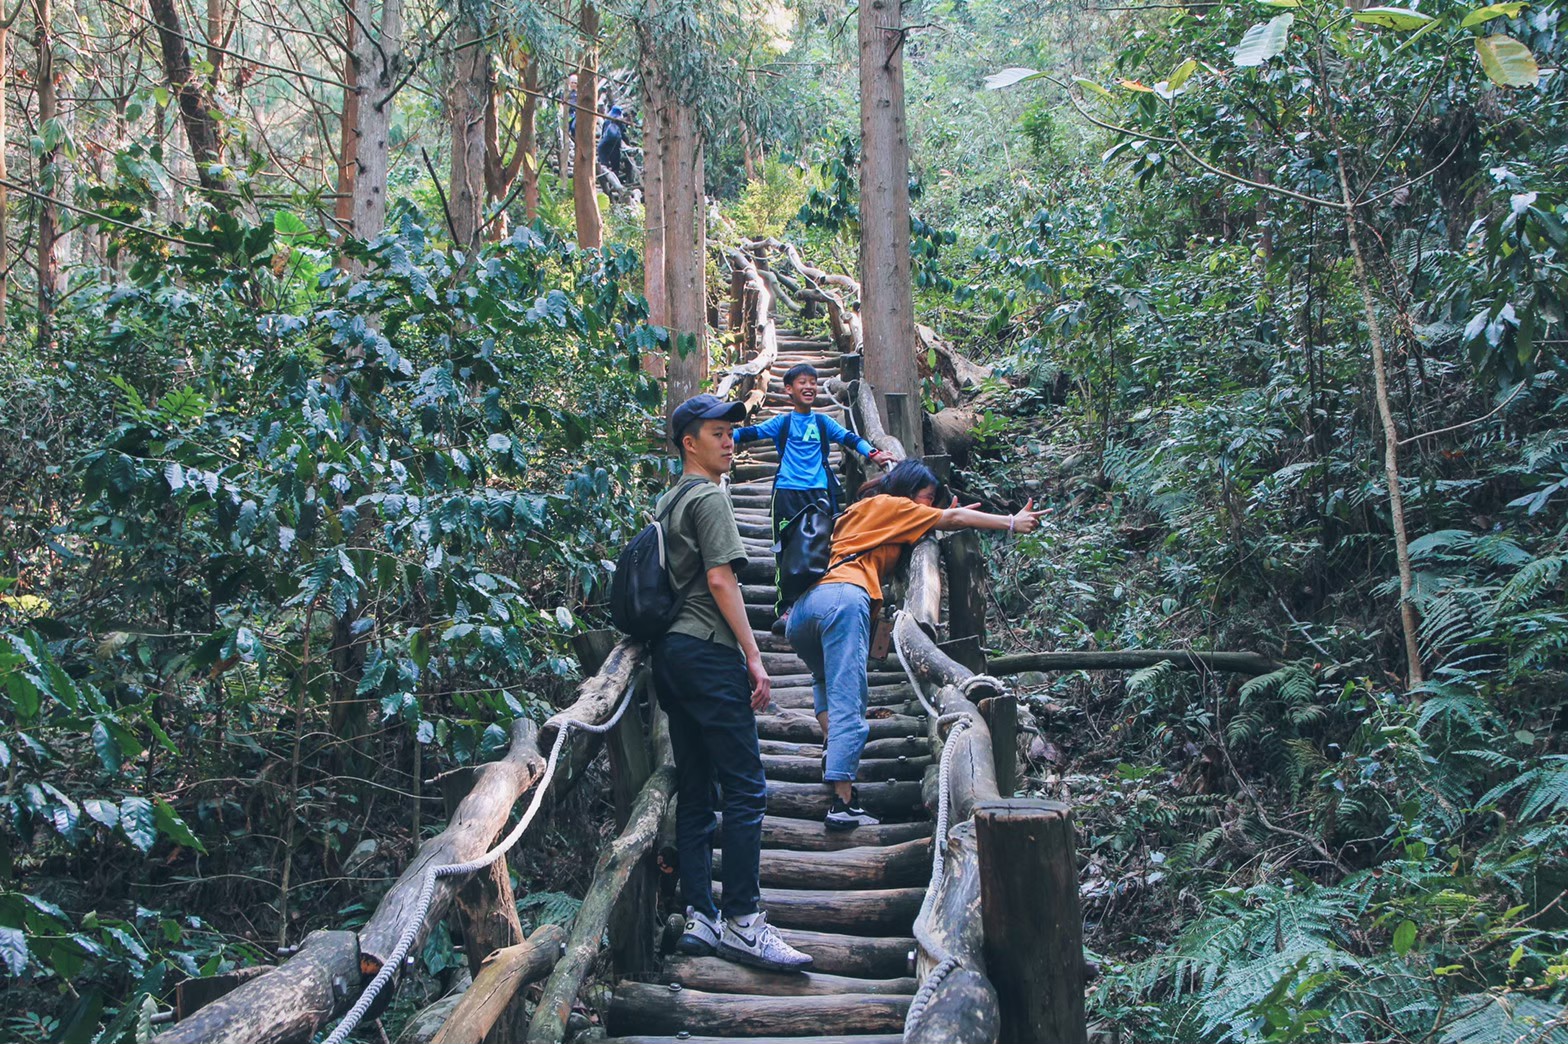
[1012, 520]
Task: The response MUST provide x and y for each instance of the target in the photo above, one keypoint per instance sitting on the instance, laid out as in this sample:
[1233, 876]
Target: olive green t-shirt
[699, 535]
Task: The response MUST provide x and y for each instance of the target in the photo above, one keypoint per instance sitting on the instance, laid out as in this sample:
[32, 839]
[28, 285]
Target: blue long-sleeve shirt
[804, 461]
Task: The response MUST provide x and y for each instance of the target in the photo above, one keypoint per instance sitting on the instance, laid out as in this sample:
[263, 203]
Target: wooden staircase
[849, 899]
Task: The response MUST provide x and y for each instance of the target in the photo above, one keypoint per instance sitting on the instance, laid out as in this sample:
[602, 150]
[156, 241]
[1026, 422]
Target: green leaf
[103, 811]
[136, 819]
[170, 823]
[1182, 73]
[1506, 61]
[1393, 17]
[1090, 85]
[13, 950]
[1265, 40]
[1008, 77]
[1404, 937]
[1491, 11]
[287, 223]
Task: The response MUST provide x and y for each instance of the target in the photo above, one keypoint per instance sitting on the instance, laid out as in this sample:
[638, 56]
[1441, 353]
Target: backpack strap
[848, 559]
[680, 492]
[782, 436]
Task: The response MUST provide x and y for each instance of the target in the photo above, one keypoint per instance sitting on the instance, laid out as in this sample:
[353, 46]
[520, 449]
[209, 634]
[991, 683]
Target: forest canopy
[335, 352]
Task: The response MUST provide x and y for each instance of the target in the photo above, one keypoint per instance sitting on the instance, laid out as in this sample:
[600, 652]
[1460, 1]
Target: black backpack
[805, 551]
[643, 602]
[835, 490]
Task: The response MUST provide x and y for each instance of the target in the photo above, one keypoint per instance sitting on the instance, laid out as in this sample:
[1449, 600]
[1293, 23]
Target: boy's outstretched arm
[768, 429]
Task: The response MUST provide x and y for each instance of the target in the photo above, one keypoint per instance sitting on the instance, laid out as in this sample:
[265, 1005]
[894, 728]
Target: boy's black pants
[787, 503]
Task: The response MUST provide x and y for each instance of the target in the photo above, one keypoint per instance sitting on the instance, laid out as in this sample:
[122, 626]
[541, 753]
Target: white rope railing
[427, 890]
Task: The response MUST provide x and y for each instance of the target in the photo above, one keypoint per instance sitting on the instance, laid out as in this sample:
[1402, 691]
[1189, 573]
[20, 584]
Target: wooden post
[1001, 716]
[1033, 926]
[965, 587]
[965, 652]
[486, 906]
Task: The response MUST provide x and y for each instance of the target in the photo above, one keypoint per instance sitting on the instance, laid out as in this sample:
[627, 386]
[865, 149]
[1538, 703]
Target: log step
[714, 975]
[908, 746]
[904, 865]
[859, 1038]
[813, 836]
[788, 769]
[798, 697]
[900, 800]
[866, 911]
[800, 727]
[659, 1010]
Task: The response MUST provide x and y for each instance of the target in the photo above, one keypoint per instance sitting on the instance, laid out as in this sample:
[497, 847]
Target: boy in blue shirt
[802, 438]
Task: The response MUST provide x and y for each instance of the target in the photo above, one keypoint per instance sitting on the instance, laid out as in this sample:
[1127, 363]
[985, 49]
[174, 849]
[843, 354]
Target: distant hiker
[611, 138]
[802, 438]
[830, 627]
[710, 680]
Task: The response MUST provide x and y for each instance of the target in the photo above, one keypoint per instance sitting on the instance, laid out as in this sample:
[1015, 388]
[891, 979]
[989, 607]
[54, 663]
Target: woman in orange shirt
[830, 626]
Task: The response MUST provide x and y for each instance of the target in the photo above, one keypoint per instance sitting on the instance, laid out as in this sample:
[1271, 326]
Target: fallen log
[869, 911]
[876, 770]
[814, 836]
[491, 1010]
[479, 819]
[869, 866]
[610, 874]
[287, 1004]
[1132, 659]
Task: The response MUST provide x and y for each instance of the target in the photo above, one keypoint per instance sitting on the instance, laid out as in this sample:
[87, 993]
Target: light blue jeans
[830, 628]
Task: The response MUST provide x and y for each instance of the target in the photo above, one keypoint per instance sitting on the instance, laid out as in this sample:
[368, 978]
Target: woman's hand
[1027, 520]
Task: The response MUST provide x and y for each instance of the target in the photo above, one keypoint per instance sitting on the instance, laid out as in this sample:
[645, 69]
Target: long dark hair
[907, 479]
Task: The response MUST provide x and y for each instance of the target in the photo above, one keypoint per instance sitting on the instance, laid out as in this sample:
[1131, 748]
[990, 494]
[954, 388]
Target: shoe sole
[841, 824]
[729, 953]
[687, 946]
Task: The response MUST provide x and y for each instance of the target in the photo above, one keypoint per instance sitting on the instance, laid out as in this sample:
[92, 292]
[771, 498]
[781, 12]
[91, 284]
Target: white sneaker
[759, 945]
[701, 936]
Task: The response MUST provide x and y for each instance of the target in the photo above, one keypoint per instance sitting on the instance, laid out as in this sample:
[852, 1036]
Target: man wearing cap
[709, 677]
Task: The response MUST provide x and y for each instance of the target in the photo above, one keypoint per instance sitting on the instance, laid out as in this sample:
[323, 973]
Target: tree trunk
[470, 107]
[348, 130]
[886, 287]
[378, 64]
[685, 252]
[655, 132]
[195, 103]
[48, 217]
[5, 176]
[528, 140]
[585, 189]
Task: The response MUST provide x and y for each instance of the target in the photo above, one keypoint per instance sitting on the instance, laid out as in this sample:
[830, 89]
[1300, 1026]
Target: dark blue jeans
[703, 687]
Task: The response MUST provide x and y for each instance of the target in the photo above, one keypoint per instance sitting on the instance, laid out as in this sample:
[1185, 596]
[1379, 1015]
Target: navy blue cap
[703, 407]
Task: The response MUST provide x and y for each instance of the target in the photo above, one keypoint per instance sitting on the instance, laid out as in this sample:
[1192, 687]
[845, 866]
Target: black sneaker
[847, 815]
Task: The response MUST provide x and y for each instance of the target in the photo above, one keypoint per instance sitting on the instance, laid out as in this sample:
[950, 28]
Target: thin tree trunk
[528, 140]
[469, 106]
[585, 190]
[195, 102]
[655, 134]
[348, 130]
[887, 292]
[499, 175]
[685, 258]
[48, 218]
[378, 65]
[5, 176]
[1409, 620]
